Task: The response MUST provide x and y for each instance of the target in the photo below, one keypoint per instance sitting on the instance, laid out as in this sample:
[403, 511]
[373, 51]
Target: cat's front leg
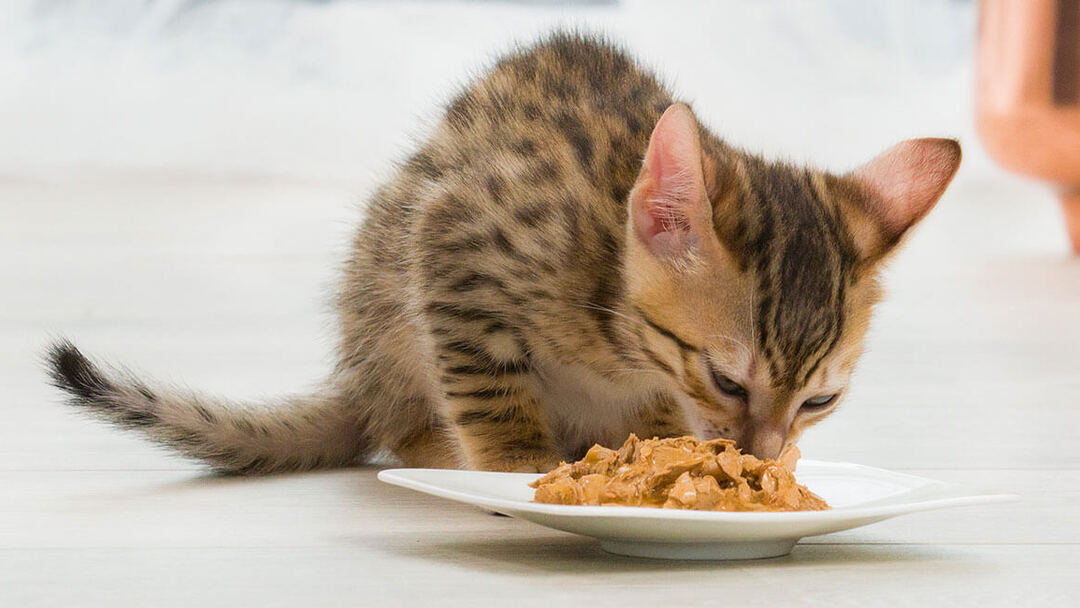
[491, 399]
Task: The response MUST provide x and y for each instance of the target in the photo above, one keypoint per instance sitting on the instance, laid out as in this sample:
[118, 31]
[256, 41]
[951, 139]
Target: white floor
[178, 180]
[972, 375]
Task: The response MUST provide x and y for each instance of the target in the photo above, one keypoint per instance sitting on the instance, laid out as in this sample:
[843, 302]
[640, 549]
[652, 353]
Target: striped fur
[498, 311]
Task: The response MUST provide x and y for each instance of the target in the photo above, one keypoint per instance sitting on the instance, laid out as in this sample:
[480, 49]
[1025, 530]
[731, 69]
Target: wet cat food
[679, 473]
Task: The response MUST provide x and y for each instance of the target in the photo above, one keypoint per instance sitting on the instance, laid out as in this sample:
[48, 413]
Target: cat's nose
[767, 442]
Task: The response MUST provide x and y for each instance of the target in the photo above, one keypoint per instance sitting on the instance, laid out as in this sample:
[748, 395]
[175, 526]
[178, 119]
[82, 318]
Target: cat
[570, 257]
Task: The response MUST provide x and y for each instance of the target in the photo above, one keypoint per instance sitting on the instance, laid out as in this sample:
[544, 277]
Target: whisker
[605, 309]
[629, 370]
[753, 296]
[733, 341]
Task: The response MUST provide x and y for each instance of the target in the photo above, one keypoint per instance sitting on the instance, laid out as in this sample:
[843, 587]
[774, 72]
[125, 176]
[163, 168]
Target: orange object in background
[1028, 93]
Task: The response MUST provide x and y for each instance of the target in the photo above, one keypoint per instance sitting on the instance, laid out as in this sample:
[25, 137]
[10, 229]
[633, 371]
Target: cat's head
[757, 279]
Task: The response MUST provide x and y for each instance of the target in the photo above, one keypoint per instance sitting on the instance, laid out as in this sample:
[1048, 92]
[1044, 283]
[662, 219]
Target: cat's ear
[900, 187]
[669, 209]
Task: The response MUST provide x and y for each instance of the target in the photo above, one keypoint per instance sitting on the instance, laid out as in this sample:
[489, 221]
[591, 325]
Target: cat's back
[564, 122]
[566, 119]
[526, 173]
[511, 213]
[563, 74]
[569, 92]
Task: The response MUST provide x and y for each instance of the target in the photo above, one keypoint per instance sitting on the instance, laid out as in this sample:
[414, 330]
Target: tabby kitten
[571, 257]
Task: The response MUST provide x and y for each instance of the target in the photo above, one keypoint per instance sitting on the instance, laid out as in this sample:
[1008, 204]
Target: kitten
[571, 257]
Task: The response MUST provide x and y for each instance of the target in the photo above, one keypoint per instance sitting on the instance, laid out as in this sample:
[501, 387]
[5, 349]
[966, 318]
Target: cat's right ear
[669, 209]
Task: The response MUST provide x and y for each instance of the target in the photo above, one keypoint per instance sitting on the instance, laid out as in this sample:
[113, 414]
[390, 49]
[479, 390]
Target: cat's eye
[727, 385]
[819, 402]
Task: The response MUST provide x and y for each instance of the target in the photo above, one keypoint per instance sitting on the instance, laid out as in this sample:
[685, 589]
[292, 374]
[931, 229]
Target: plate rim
[961, 496]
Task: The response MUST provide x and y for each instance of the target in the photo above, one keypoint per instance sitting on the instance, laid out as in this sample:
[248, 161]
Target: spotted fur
[501, 310]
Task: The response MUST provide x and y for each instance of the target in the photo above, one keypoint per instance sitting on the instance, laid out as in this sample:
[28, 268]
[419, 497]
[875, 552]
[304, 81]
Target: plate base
[700, 551]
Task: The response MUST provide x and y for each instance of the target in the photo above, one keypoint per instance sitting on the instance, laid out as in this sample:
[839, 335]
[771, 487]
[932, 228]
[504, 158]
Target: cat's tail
[298, 433]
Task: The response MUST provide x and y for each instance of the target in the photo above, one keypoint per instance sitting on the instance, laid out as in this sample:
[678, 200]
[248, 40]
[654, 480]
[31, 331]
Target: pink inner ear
[670, 189]
[908, 179]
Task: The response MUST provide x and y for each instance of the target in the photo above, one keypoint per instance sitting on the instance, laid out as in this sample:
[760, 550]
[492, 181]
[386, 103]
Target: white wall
[335, 89]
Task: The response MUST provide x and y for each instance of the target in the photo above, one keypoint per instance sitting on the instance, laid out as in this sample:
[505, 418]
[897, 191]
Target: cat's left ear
[900, 187]
[669, 210]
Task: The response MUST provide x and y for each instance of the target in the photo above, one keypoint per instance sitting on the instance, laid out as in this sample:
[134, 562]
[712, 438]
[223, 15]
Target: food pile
[679, 473]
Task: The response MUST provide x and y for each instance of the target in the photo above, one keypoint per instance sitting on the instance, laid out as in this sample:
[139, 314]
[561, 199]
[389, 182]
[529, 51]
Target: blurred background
[179, 180]
[332, 89]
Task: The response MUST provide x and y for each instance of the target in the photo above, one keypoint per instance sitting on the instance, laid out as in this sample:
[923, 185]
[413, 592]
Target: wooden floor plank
[972, 374]
[144, 509]
[558, 571]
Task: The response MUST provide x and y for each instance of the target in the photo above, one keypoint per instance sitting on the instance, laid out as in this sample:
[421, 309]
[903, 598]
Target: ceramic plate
[859, 495]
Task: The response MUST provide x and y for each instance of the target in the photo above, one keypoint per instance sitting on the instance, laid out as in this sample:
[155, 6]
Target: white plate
[859, 495]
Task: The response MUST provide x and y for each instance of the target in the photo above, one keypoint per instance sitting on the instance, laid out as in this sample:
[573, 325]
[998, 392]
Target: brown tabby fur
[500, 312]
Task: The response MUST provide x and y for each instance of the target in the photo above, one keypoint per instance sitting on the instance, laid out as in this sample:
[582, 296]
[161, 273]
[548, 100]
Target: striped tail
[296, 433]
